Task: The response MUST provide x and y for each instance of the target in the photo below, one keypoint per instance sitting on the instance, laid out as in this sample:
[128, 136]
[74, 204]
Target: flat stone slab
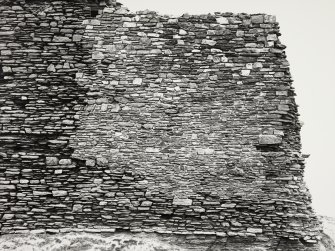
[269, 140]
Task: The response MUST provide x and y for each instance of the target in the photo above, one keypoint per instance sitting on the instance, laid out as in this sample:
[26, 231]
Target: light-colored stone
[205, 151]
[182, 202]
[257, 19]
[58, 39]
[41, 193]
[59, 193]
[254, 230]
[208, 42]
[77, 38]
[222, 20]
[245, 72]
[108, 10]
[95, 22]
[152, 150]
[8, 216]
[272, 37]
[282, 107]
[77, 208]
[182, 32]
[281, 93]
[6, 69]
[7, 187]
[115, 108]
[146, 204]
[231, 205]
[90, 162]
[269, 139]
[102, 161]
[51, 68]
[65, 162]
[137, 81]
[98, 55]
[6, 52]
[51, 161]
[6, 33]
[129, 25]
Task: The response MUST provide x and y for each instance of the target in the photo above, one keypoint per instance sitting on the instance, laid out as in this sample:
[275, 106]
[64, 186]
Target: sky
[308, 31]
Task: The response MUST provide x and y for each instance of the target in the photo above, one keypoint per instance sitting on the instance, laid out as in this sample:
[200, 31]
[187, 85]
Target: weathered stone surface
[146, 123]
[257, 19]
[41, 193]
[182, 202]
[51, 68]
[61, 39]
[222, 20]
[269, 139]
[8, 216]
[98, 55]
[102, 161]
[77, 208]
[255, 230]
[7, 187]
[65, 161]
[137, 81]
[53, 161]
[90, 162]
[59, 193]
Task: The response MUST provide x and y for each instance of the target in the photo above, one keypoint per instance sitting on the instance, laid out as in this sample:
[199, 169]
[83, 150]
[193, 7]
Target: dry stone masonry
[184, 127]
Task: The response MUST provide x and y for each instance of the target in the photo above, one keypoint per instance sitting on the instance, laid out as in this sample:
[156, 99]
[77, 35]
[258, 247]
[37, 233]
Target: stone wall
[139, 122]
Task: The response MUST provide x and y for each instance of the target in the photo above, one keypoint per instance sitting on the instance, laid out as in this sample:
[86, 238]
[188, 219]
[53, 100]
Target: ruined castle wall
[142, 122]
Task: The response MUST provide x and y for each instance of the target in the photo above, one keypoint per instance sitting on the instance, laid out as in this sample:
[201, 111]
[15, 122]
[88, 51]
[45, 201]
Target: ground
[116, 242]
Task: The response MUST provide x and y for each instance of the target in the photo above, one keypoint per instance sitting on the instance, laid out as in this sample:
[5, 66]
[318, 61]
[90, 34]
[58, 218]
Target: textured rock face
[140, 122]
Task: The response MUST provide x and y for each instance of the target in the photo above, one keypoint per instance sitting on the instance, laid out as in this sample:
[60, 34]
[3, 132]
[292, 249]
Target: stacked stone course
[146, 123]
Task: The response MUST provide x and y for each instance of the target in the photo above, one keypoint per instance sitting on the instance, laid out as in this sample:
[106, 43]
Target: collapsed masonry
[118, 121]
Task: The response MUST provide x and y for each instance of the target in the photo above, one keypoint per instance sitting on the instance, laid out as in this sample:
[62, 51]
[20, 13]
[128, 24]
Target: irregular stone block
[222, 20]
[98, 55]
[51, 161]
[245, 72]
[59, 39]
[205, 151]
[283, 108]
[41, 193]
[7, 187]
[90, 162]
[152, 150]
[182, 202]
[77, 208]
[115, 108]
[8, 216]
[51, 68]
[272, 37]
[77, 38]
[257, 19]
[6, 69]
[102, 161]
[16, 7]
[137, 81]
[6, 33]
[129, 25]
[208, 42]
[65, 162]
[59, 193]
[232, 205]
[255, 230]
[146, 204]
[269, 140]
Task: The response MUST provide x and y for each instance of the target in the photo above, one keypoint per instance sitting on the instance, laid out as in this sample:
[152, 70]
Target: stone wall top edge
[269, 18]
